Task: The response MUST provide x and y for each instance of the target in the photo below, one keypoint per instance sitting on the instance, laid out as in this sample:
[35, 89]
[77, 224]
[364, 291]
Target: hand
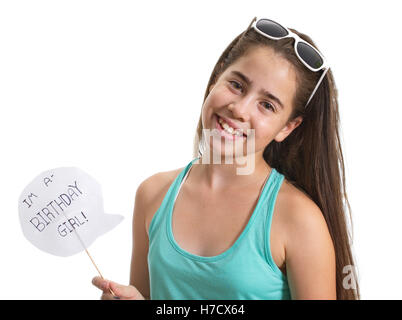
[121, 292]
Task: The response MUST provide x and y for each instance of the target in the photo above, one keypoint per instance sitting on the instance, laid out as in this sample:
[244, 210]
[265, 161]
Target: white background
[116, 87]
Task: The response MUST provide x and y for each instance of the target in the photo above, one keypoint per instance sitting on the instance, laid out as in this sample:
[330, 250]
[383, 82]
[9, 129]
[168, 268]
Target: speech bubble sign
[61, 211]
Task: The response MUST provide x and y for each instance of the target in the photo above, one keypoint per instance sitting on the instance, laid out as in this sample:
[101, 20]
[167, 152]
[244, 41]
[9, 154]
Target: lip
[224, 133]
[230, 123]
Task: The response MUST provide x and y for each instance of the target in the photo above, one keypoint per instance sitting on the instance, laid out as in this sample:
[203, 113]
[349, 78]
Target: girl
[278, 232]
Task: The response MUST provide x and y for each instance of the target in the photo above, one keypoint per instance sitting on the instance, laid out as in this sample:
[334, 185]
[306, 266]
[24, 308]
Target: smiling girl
[204, 231]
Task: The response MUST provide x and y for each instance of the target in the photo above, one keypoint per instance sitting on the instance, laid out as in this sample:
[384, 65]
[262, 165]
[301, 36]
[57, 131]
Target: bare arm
[147, 198]
[138, 289]
[139, 276]
[310, 254]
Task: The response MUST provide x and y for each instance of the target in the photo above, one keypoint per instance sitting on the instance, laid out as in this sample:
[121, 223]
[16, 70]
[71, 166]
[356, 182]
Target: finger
[122, 291]
[100, 283]
[104, 285]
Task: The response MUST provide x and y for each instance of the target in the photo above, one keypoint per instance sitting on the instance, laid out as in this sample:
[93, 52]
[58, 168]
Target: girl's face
[256, 92]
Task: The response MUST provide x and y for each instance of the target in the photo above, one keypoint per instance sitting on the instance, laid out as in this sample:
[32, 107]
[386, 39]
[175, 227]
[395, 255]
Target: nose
[241, 109]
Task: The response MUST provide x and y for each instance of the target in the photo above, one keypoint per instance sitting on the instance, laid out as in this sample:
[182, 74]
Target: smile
[227, 130]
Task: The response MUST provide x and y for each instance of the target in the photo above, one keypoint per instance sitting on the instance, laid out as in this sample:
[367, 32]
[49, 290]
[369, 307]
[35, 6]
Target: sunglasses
[306, 53]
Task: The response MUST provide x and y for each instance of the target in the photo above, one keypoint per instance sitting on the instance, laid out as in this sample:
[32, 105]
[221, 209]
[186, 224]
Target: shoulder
[301, 218]
[309, 249]
[151, 187]
[151, 191]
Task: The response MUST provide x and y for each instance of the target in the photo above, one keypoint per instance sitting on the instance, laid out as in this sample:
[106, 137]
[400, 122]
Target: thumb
[127, 292]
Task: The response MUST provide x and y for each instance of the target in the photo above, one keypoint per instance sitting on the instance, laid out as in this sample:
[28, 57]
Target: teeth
[229, 129]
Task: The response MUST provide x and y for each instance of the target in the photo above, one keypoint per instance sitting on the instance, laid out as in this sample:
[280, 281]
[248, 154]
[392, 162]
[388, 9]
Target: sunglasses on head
[306, 53]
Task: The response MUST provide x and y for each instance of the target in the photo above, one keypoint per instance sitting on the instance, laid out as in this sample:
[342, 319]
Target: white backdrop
[116, 87]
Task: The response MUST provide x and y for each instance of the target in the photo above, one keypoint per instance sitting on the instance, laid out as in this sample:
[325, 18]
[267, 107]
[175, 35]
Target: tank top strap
[158, 216]
[269, 192]
[264, 218]
[182, 177]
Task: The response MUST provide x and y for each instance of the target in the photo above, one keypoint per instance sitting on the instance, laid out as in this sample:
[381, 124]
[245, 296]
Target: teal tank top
[246, 271]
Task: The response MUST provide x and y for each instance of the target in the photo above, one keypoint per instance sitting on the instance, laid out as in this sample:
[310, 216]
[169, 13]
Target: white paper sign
[61, 211]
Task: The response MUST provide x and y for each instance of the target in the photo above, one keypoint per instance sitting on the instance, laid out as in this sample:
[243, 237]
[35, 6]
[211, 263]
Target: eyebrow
[264, 92]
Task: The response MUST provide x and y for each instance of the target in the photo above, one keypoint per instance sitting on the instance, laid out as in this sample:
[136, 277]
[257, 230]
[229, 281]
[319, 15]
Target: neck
[239, 174]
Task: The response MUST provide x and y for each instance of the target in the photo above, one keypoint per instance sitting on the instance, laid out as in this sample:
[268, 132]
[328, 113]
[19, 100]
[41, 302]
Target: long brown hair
[311, 156]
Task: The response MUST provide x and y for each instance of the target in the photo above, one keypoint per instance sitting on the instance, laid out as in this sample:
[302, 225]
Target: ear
[288, 128]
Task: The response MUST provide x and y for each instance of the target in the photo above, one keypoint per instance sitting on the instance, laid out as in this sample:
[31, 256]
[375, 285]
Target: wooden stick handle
[96, 267]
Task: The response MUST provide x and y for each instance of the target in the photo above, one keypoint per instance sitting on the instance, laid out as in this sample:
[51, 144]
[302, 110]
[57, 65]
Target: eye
[235, 84]
[268, 106]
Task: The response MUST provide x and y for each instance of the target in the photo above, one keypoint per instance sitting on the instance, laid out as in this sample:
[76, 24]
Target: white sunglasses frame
[297, 39]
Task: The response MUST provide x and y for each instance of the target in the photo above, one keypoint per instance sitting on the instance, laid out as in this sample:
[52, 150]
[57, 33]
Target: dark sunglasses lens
[309, 55]
[271, 28]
